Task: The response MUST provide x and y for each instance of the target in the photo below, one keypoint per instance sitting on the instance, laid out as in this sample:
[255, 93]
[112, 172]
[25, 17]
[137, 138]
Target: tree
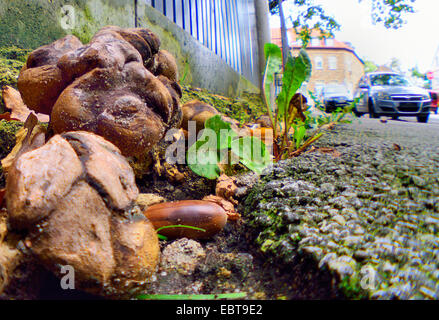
[311, 16]
[370, 66]
[308, 14]
[395, 65]
[416, 73]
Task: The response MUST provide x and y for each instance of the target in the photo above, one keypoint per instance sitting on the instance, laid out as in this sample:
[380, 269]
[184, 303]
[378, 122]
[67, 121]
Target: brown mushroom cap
[40, 81]
[50, 54]
[197, 111]
[75, 197]
[130, 108]
[143, 40]
[164, 64]
[104, 87]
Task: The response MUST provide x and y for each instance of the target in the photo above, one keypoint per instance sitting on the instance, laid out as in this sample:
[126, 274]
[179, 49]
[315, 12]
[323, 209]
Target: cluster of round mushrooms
[74, 196]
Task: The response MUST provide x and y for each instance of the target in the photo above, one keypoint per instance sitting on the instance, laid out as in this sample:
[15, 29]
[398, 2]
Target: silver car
[391, 94]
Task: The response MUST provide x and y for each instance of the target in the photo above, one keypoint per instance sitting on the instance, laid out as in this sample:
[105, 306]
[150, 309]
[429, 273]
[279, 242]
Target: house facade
[333, 61]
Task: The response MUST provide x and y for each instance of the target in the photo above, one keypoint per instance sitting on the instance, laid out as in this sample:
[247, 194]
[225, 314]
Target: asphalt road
[434, 119]
[405, 131]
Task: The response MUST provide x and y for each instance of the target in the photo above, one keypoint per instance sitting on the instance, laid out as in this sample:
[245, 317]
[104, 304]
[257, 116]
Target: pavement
[365, 207]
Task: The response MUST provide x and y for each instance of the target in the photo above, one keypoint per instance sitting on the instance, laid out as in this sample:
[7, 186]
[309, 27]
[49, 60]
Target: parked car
[434, 100]
[335, 96]
[391, 94]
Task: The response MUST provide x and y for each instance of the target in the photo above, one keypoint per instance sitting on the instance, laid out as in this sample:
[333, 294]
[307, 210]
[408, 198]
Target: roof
[292, 36]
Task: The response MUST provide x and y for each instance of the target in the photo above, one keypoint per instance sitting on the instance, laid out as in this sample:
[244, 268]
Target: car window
[388, 80]
[362, 82]
[335, 90]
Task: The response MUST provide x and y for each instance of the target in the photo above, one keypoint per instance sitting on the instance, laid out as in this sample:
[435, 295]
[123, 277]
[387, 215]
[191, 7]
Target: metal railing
[226, 27]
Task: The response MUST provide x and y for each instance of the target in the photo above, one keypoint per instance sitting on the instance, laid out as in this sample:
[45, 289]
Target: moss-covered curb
[370, 215]
[246, 108]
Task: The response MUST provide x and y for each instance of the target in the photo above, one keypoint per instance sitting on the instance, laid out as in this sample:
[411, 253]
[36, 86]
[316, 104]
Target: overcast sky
[413, 45]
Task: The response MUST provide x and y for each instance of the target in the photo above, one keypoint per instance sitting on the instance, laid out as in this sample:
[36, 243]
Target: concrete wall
[32, 23]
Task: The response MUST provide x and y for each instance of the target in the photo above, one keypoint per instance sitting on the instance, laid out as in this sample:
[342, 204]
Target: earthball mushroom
[75, 200]
[105, 87]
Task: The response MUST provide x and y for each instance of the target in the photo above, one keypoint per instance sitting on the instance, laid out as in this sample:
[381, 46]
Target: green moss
[29, 23]
[84, 32]
[12, 60]
[351, 287]
[246, 108]
[8, 129]
[9, 70]
[14, 53]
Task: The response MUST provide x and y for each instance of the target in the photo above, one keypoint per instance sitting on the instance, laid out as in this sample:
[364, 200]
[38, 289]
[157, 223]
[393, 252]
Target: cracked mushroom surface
[105, 87]
[75, 199]
[41, 81]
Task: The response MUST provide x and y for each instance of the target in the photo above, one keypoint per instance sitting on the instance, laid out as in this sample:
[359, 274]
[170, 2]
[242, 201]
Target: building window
[329, 42]
[332, 62]
[319, 63]
[315, 42]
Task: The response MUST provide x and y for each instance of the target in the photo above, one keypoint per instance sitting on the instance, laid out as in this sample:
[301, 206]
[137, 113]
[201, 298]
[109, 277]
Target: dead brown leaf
[28, 138]
[228, 206]
[397, 147]
[299, 102]
[7, 116]
[226, 188]
[331, 151]
[19, 111]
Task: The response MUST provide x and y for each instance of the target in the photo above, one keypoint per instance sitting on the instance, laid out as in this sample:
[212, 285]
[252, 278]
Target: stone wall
[32, 23]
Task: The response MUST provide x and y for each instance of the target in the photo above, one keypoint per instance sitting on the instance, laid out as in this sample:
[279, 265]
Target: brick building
[333, 61]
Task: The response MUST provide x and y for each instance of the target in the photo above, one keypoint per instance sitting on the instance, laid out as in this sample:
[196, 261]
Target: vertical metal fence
[226, 27]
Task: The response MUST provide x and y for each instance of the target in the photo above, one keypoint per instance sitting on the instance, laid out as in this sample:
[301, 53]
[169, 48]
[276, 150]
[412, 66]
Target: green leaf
[202, 159]
[204, 155]
[252, 153]
[297, 70]
[299, 134]
[223, 131]
[273, 58]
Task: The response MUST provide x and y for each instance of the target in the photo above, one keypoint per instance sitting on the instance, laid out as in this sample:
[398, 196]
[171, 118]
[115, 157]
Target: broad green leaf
[299, 134]
[297, 70]
[203, 159]
[252, 153]
[273, 61]
[223, 131]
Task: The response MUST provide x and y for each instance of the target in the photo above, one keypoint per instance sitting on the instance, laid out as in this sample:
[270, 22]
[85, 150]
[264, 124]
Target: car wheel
[423, 118]
[355, 111]
[372, 112]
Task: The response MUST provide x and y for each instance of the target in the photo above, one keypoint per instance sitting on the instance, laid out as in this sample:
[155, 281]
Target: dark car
[434, 101]
[334, 97]
[391, 94]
